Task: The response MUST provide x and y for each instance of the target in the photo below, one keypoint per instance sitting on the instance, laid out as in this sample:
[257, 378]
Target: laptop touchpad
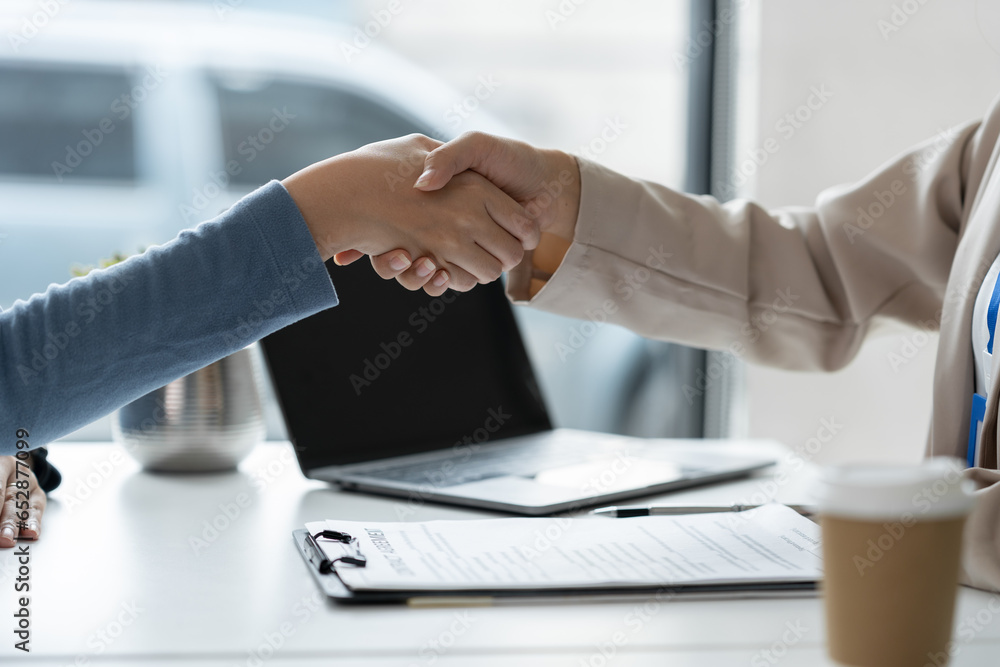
[572, 482]
[611, 475]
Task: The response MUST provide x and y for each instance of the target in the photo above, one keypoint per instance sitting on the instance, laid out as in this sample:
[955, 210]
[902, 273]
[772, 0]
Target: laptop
[434, 399]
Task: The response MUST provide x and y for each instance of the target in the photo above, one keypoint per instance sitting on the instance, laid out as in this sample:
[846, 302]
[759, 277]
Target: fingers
[390, 264]
[439, 283]
[23, 503]
[472, 150]
[479, 240]
[434, 283]
[36, 508]
[8, 520]
[413, 277]
[503, 251]
[481, 264]
[511, 216]
[347, 257]
[422, 274]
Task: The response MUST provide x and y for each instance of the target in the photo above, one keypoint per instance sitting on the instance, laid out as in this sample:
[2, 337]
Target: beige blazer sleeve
[793, 287]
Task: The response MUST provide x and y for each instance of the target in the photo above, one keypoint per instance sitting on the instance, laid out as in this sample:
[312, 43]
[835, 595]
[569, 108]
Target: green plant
[84, 269]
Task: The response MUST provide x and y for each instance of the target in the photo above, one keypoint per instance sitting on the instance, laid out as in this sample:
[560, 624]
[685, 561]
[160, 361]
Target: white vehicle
[123, 123]
[116, 134]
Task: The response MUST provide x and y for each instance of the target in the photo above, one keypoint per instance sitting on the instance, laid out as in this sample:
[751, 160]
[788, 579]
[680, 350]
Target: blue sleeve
[83, 349]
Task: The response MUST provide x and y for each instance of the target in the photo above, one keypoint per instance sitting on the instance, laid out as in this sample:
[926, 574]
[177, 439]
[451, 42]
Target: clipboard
[334, 588]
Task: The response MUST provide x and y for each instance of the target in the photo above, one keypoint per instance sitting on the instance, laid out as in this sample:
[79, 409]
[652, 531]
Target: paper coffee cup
[892, 539]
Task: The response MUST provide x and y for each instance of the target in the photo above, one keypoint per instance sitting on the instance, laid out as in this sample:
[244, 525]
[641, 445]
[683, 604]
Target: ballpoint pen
[622, 512]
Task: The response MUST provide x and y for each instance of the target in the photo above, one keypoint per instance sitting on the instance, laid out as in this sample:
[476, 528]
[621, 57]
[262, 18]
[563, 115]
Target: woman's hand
[545, 182]
[23, 502]
[466, 233]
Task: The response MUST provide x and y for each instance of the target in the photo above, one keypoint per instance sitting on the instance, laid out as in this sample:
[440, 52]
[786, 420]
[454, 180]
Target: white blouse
[981, 331]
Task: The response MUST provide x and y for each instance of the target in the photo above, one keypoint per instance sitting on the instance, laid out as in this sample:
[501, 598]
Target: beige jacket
[801, 287]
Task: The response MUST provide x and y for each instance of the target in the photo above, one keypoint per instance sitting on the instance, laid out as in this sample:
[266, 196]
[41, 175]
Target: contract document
[768, 547]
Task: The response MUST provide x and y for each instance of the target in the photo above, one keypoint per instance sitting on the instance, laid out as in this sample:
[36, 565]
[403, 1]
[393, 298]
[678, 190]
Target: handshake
[438, 216]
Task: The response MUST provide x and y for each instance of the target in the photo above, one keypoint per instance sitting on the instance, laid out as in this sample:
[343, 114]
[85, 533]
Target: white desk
[120, 562]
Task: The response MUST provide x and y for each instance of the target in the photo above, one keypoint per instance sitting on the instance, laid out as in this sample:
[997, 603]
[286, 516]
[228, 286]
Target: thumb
[466, 152]
[347, 257]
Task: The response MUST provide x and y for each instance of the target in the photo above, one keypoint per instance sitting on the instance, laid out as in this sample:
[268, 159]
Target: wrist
[325, 209]
[565, 209]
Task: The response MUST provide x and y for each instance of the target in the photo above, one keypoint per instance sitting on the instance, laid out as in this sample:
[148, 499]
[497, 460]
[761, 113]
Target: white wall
[889, 92]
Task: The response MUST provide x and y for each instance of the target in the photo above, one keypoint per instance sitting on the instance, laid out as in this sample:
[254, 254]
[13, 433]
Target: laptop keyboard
[521, 461]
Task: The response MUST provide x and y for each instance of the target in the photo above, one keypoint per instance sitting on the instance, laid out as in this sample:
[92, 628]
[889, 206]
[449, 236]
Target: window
[275, 129]
[65, 124]
[605, 80]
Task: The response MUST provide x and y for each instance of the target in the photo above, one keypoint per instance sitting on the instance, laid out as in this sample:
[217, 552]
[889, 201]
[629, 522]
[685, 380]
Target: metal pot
[206, 421]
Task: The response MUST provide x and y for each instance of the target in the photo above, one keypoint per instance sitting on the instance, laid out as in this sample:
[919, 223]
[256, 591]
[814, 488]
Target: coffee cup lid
[934, 489]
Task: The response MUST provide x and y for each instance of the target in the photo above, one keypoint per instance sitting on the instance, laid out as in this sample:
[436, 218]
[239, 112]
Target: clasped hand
[23, 502]
[467, 210]
[464, 234]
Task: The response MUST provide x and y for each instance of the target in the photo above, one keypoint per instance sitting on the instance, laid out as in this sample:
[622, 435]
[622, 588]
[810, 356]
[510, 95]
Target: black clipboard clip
[325, 565]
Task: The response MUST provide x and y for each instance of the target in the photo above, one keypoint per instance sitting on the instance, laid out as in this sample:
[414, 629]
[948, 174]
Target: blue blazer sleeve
[85, 348]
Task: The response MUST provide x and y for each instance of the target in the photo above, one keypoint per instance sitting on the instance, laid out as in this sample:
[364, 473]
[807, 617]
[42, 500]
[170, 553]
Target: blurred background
[118, 121]
[123, 122]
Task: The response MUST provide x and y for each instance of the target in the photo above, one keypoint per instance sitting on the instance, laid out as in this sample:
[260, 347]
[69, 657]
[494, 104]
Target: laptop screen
[391, 372]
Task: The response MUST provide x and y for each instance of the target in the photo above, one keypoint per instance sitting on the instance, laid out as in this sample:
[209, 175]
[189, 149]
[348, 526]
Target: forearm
[85, 348]
[793, 287]
[557, 210]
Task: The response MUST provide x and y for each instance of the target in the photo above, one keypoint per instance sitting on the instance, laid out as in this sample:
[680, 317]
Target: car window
[276, 129]
[62, 124]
